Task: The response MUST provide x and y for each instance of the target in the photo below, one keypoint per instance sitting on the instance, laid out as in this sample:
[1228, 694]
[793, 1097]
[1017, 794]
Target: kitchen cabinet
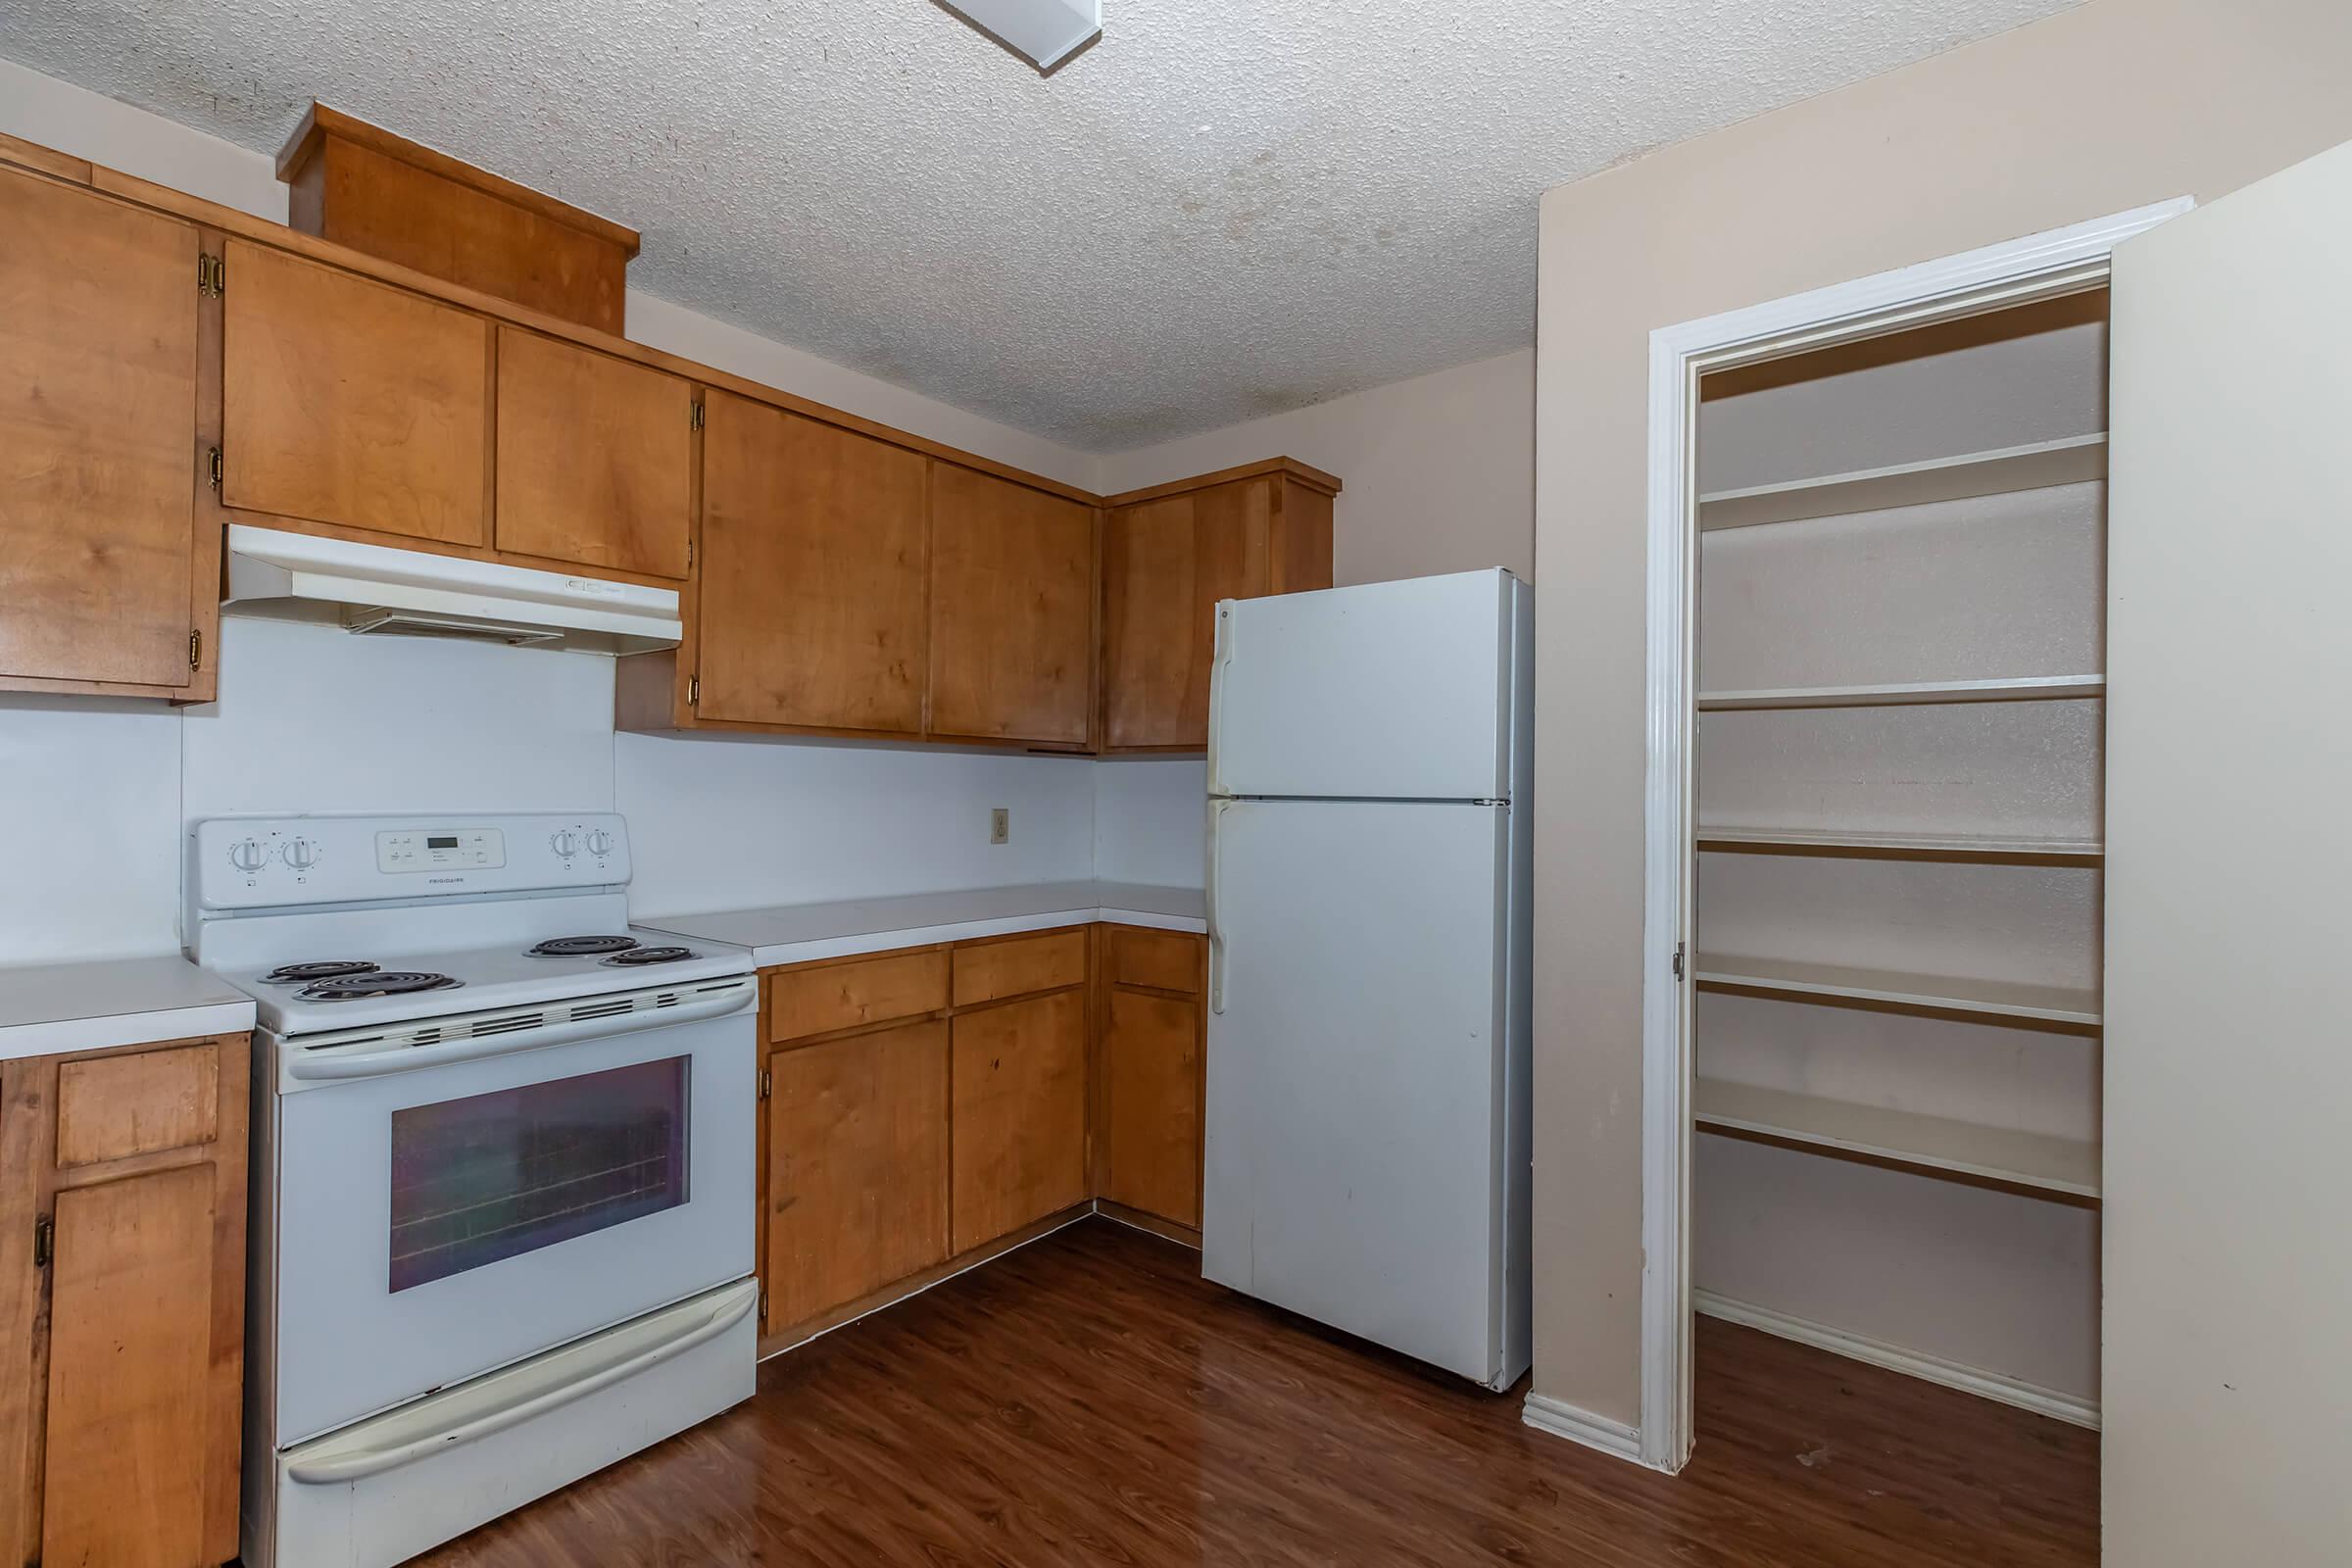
[348, 402]
[812, 610]
[1152, 1042]
[858, 1166]
[1018, 1114]
[1013, 611]
[108, 574]
[121, 1308]
[1169, 554]
[595, 456]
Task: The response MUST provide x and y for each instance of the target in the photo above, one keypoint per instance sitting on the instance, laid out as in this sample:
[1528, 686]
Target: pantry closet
[1900, 719]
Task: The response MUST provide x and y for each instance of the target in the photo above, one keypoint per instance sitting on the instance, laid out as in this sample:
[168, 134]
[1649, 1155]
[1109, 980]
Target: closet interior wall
[1898, 891]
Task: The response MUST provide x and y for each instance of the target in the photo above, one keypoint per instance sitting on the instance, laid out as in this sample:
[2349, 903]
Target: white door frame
[2045, 266]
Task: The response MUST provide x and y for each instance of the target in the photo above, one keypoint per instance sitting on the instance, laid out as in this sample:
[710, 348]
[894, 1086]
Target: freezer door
[1354, 1086]
[1388, 690]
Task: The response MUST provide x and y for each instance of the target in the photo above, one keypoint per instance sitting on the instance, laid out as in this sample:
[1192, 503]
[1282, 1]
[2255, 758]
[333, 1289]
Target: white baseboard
[1564, 1420]
[2071, 1408]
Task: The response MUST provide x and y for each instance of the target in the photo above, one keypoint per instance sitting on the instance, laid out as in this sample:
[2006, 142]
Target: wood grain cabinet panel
[348, 402]
[857, 1167]
[1164, 960]
[1152, 1099]
[1019, 1127]
[1017, 965]
[101, 572]
[1165, 565]
[112, 1107]
[1012, 621]
[595, 458]
[813, 577]
[821, 997]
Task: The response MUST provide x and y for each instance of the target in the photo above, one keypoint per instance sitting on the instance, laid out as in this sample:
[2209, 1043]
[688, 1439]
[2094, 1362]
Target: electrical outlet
[999, 825]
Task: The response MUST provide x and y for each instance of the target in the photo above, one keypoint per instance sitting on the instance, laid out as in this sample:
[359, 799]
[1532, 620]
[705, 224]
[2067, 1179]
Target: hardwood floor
[1090, 1399]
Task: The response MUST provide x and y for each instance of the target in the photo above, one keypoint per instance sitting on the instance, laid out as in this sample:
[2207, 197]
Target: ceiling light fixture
[1045, 33]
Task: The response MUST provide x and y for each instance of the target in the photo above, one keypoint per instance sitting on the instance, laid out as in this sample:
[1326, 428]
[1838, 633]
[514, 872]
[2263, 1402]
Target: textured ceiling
[1223, 209]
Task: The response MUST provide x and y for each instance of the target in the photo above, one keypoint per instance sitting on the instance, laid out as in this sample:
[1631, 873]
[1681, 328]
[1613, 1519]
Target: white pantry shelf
[1931, 1143]
[1903, 694]
[1926, 846]
[2001, 472]
[1999, 998]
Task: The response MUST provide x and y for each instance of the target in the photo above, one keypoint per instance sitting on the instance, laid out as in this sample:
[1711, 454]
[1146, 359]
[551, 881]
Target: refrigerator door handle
[1216, 934]
[1221, 654]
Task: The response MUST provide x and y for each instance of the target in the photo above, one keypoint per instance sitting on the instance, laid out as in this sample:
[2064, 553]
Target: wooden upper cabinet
[348, 402]
[1012, 623]
[1168, 555]
[104, 581]
[813, 586]
[595, 458]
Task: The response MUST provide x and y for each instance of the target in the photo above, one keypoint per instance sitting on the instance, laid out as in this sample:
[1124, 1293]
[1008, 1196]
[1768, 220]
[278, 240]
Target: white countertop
[795, 933]
[47, 1010]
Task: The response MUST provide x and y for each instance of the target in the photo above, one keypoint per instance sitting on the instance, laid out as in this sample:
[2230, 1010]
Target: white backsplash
[1150, 822]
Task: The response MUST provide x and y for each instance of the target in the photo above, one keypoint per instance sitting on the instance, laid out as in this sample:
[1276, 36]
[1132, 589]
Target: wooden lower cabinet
[858, 1166]
[1019, 1115]
[1149, 1109]
[122, 1305]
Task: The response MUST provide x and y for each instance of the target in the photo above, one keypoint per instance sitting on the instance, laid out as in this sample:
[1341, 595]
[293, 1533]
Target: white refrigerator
[1368, 879]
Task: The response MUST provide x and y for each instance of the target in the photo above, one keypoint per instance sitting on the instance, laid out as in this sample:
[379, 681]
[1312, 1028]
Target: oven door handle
[537, 1397]
[317, 1066]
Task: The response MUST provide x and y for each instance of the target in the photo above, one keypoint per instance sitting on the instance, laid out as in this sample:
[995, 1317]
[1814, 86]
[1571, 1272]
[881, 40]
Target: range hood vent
[375, 590]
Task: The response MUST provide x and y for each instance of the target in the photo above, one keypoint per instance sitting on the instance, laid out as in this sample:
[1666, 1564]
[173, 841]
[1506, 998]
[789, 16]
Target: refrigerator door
[1355, 1104]
[1386, 691]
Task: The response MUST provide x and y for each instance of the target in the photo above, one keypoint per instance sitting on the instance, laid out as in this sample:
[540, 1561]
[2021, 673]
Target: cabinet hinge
[767, 1081]
[196, 650]
[211, 277]
[212, 466]
[694, 421]
[690, 555]
[694, 690]
[1678, 960]
[44, 1240]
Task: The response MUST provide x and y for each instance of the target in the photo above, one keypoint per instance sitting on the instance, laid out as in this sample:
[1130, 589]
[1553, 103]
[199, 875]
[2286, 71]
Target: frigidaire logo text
[437, 880]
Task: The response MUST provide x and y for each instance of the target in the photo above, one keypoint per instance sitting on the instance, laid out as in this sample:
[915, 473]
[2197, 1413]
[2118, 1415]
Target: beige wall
[2110, 106]
[1440, 470]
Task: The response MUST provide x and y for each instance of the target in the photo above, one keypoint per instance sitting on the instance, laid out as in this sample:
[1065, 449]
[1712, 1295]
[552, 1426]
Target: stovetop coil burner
[582, 947]
[638, 956]
[293, 974]
[377, 983]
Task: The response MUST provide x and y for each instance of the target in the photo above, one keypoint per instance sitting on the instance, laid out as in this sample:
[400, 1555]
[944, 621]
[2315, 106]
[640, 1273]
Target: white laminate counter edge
[1068, 904]
[55, 1008]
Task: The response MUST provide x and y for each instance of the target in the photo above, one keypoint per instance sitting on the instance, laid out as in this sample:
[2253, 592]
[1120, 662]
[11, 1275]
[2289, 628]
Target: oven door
[438, 1221]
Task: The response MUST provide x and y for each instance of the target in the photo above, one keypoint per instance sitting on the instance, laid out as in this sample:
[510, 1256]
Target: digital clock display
[441, 841]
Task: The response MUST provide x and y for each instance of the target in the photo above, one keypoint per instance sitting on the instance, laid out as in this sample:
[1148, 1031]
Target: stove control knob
[565, 843]
[249, 854]
[600, 842]
[300, 853]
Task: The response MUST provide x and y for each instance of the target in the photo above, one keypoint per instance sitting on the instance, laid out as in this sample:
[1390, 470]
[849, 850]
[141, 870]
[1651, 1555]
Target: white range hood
[371, 589]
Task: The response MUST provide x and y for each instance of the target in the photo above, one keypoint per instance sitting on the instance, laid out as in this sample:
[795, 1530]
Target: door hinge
[1678, 960]
[212, 276]
[694, 421]
[690, 555]
[212, 466]
[44, 1240]
[767, 1081]
[694, 690]
[196, 650]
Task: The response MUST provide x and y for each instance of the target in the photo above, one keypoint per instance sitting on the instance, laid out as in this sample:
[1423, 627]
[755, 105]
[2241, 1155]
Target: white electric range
[503, 1169]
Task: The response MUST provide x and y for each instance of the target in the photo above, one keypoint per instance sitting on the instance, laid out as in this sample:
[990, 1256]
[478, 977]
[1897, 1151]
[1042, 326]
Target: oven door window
[492, 1176]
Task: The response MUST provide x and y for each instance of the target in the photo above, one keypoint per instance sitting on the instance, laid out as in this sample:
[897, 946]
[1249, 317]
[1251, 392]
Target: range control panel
[247, 863]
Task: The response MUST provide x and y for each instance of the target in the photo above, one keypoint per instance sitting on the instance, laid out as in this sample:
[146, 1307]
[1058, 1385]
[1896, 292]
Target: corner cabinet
[1169, 554]
[1013, 611]
[122, 1305]
[1152, 1032]
[109, 555]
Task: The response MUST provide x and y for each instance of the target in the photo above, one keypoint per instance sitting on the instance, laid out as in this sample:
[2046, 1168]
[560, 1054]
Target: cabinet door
[1151, 1060]
[1021, 1114]
[857, 1167]
[813, 573]
[1165, 565]
[345, 401]
[595, 456]
[1012, 624]
[98, 547]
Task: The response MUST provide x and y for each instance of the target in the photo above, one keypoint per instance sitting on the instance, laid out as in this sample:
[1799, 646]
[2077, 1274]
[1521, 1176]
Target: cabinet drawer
[1163, 961]
[994, 969]
[112, 1108]
[844, 995]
